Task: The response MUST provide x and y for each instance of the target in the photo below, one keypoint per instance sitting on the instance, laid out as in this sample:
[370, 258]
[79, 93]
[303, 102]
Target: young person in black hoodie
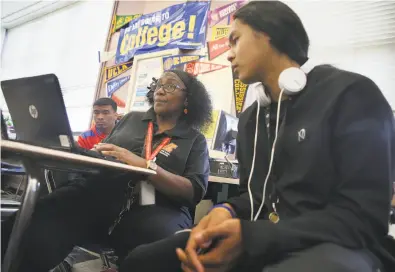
[316, 155]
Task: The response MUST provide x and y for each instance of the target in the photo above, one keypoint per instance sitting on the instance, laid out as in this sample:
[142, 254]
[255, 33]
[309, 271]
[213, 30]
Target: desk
[41, 152]
[223, 180]
[31, 156]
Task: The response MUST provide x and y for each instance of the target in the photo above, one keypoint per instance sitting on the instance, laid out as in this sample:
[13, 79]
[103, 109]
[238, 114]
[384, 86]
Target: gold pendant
[274, 217]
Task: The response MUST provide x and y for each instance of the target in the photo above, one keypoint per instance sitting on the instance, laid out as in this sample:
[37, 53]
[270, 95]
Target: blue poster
[178, 26]
[115, 84]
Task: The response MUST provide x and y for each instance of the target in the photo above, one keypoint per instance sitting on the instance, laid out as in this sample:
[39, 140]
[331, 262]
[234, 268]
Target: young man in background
[105, 116]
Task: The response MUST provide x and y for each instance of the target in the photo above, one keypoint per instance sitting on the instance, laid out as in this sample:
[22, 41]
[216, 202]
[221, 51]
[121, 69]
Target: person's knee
[138, 260]
[156, 256]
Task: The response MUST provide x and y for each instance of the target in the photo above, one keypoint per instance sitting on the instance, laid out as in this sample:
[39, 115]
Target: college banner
[218, 32]
[196, 68]
[240, 93]
[114, 85]
[218, 14]
[218, 47]
[122, 20]
[116, 70]
[169, 63]
[178, 26]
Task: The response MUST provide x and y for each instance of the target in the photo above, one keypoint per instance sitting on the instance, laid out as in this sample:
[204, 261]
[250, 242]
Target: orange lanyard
[148, 143]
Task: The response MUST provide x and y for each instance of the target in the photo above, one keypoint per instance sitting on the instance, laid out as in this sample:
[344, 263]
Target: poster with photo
[146, 70]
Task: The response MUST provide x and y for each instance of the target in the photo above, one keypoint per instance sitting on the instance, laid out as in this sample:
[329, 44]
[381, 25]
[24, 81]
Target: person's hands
[120, 154]
[215, 217]
[225, 253]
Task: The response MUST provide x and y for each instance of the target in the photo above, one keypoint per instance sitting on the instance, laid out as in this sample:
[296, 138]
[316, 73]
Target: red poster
[196, 68]
[190, 68]
[218, 47]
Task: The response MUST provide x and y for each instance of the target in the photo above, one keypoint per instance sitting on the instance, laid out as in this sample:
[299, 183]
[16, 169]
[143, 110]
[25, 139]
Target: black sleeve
[357, 214]
[197, 168]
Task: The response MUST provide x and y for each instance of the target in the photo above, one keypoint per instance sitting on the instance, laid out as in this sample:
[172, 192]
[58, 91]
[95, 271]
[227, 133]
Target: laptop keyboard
[95, 154]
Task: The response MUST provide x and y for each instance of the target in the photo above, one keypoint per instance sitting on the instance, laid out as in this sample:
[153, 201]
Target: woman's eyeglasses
[168, 88]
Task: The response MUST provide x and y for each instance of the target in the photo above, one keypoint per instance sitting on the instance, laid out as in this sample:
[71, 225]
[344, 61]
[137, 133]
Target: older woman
[88, 210]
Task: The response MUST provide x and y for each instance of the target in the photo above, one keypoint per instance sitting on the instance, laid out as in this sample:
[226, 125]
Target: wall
[220, 90]
[65, 42]
[3, 37]
[342, 33]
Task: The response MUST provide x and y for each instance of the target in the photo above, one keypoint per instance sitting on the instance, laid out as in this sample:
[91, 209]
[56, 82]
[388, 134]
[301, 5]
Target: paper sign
[218, 47]
[218, 32]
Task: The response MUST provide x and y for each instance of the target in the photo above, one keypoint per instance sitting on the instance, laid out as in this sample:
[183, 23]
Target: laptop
[39, 114]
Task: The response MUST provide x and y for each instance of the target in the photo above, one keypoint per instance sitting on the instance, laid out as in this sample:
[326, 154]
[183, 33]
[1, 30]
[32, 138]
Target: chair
[23, 215]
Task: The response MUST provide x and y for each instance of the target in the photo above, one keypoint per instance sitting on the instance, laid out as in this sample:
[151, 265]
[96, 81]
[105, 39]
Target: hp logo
[33, 111]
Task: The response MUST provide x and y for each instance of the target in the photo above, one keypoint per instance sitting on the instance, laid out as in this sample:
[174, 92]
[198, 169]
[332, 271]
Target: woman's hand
[121, 154]
[189, 257]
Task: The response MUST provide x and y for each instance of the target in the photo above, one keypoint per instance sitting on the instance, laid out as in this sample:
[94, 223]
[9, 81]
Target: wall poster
[179, 26]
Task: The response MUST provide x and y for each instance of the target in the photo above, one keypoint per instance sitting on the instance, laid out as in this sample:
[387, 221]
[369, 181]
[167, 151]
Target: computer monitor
[225, 133]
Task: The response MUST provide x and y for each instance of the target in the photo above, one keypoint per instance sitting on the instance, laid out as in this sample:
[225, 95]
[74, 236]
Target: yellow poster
[121, 20]
[240, 93]
[210, 131]
[218, 32]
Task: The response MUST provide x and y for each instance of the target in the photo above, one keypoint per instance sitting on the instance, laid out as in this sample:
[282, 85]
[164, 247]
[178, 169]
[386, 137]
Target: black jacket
[333, 184]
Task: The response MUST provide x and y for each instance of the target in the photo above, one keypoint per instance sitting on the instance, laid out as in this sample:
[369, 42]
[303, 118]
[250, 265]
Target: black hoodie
[333, 183]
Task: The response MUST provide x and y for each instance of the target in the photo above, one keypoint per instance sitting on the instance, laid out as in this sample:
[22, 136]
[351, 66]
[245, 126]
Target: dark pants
[81, 215]
[322, 258]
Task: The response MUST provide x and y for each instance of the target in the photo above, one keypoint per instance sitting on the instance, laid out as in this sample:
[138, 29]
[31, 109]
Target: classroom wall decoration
[218, 14]
[195, 68]
[116, 70]
[217, 47]
[115, 84]
[218, 32]
[122, 20]
[170, 62]
[240, 93]
[119, 101]
[178, 26]
[106, 56]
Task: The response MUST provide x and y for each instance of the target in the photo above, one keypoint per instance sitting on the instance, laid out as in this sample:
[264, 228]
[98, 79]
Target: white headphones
[291, 81]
